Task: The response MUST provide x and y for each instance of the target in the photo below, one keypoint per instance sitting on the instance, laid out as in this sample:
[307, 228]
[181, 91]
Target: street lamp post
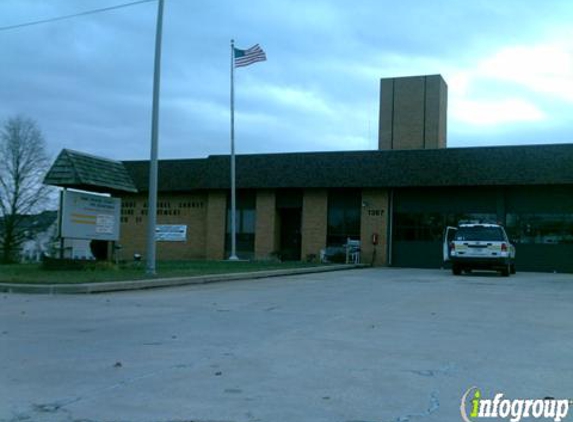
[152, 200]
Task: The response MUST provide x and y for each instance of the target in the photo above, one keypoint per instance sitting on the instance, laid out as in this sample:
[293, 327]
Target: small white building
[40, 231]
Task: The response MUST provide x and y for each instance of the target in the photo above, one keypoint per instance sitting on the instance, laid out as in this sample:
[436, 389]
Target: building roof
[78, 170]
[32, 224]
[476, 166]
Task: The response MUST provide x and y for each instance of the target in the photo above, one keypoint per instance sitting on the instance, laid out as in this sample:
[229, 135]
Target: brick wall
[409, 106]
[184, 209]
[314, 221]
[205, 217]
[374, 219]
[436, 112]
[216, 223]
[266, 240]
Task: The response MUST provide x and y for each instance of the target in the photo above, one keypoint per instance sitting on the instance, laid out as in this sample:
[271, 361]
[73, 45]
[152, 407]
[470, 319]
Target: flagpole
[233, 256]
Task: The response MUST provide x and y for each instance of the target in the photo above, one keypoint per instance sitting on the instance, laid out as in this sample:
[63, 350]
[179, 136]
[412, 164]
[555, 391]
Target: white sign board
[88, 216]
[170, 233]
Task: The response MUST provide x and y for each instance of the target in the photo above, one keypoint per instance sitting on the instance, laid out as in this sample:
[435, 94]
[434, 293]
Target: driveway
[371, 345]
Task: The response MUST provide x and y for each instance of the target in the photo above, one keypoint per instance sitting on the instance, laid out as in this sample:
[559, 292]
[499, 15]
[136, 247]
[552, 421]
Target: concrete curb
[115, 286]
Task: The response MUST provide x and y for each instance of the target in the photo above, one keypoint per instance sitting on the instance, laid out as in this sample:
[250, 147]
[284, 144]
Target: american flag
[249, 56]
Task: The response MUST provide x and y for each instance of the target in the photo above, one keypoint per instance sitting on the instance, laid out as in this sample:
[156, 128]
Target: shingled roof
[478, 166]
[78, 170]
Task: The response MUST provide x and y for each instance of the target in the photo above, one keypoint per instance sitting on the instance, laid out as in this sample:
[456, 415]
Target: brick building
[293, 205]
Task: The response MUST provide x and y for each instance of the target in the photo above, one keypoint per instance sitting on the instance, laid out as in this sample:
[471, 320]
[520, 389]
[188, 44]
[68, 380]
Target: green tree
[23, 164]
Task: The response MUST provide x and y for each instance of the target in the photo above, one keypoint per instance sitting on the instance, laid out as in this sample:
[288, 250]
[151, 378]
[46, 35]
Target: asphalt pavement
[368, 345]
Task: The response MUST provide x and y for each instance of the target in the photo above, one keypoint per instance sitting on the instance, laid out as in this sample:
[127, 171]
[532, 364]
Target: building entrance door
[290, 240]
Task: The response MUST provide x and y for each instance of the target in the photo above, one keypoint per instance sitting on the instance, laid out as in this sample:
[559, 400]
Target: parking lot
[370, 345]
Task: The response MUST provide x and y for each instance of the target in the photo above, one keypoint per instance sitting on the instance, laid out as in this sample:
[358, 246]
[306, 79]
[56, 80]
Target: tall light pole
[152, 200]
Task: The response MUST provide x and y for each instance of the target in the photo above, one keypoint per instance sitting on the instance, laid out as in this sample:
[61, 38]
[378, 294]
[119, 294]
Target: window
[429, 227]
[418, 226]
[540, 228]
[246, 222]
[344, 208]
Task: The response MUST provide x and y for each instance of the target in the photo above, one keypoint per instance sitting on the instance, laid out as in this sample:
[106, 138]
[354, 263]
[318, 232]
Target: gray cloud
[88, 81]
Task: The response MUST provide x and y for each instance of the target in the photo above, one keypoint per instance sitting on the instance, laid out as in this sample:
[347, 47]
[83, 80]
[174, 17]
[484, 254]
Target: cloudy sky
[88, 81]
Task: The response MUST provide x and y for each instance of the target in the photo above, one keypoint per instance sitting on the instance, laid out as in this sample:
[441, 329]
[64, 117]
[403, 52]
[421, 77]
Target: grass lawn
[35, 274]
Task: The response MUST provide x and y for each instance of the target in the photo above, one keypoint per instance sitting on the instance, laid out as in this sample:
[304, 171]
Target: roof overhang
[77, 170]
